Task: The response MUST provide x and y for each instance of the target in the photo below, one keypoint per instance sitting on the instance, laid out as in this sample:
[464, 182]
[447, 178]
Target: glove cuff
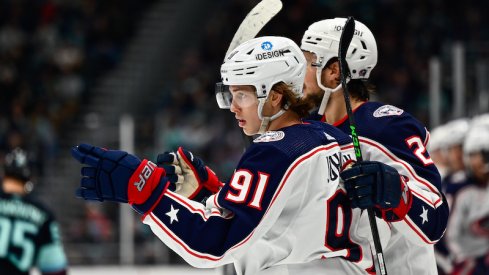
[398, 213]
[153, 199]
[212, 184]
[143, 181]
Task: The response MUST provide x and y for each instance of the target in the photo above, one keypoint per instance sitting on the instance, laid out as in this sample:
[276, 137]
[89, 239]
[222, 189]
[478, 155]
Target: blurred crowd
[52, 52]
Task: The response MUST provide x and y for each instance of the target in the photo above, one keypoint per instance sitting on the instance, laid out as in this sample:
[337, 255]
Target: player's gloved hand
[114, 175]
[374, 184]
[193, 179]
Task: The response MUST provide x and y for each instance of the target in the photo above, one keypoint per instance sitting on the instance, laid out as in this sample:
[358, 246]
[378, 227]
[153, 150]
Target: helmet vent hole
[364, 46]
[318, 39]
[250, 72]
[354, 51]
[248, 53]
[296, 59]
[354, 71]
[362, 57]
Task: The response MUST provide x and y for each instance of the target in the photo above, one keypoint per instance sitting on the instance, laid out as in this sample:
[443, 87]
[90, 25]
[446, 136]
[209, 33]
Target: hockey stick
[254, 21]
[251, 25]
[345, 39]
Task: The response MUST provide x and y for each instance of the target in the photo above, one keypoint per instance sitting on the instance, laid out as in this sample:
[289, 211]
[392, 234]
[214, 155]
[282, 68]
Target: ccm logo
[148, 169]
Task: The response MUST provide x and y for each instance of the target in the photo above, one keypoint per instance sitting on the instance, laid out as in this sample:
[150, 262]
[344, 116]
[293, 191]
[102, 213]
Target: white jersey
[283, 211]
[471, 205]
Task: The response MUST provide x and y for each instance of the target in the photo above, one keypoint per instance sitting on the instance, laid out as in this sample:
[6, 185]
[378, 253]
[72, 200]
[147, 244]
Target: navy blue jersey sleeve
[392, 136]
[204, 235]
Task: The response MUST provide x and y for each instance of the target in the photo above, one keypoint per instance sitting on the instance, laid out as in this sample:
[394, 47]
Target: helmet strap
[327, 91]
[265, 120]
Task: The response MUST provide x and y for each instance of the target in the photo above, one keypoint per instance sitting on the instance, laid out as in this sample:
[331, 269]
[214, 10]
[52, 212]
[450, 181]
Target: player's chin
[249, 132]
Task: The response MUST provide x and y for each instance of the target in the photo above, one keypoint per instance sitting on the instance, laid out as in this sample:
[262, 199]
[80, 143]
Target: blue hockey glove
[374, 184]
[194, 179]
[114, 175]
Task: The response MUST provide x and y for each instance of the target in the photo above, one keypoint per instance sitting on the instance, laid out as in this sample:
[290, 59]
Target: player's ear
[275, 98]
[335, 68]
[331, 73]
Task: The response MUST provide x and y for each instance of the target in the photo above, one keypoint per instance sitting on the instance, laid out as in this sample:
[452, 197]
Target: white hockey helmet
[456, 132]
[438, 136]
[479, 120]
[477, 139]
[323, 38]
[262, 62]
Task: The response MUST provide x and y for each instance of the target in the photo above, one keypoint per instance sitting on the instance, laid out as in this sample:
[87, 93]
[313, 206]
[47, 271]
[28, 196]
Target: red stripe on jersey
[403, 163]
[417, 231]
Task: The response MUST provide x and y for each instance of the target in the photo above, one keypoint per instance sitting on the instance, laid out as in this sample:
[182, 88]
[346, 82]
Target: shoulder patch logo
[388, 110]
[270, 136]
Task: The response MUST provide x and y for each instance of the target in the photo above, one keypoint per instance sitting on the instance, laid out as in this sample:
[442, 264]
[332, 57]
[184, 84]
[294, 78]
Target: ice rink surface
[139, 270]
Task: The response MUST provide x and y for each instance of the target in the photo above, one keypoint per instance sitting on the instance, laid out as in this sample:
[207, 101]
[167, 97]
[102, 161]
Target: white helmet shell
[438, 136]
[477, 139]
[456, 132]
[480, 120]
[323, 37]
[264, 62]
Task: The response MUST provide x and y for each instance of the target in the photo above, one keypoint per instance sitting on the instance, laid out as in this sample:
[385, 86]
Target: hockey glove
[374, 184]
[193, 179]
[118, 176]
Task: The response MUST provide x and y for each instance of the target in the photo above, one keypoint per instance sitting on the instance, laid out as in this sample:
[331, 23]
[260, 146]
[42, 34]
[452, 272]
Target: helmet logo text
[268, 55]
[340, 28]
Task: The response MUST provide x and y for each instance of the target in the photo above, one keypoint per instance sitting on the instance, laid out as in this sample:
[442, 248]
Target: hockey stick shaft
[345, 39]
[254, 21]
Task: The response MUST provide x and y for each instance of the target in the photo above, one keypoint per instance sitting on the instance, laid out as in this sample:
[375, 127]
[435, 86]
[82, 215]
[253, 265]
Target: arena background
[140, 75]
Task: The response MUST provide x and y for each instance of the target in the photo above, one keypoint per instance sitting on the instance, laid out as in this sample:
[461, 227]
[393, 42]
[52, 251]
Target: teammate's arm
[426, 218]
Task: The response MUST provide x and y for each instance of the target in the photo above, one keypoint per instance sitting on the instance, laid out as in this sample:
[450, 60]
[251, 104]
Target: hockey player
[457, 176]
[29, 235]
[389, 137]
[452, 136]
[283, 211]
[468, 229]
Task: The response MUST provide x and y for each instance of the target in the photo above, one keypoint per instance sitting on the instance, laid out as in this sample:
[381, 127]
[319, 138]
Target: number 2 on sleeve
[419, 149]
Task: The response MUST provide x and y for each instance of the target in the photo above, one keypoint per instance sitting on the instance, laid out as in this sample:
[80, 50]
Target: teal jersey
[29, 237]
